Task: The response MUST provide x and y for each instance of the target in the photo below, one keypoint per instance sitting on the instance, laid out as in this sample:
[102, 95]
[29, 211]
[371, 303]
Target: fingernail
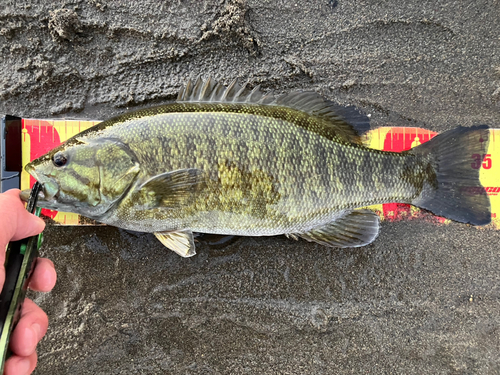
[37, 331]
[23, 366]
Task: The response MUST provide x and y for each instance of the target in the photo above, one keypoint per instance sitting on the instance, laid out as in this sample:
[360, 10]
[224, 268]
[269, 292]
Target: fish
[238, 161]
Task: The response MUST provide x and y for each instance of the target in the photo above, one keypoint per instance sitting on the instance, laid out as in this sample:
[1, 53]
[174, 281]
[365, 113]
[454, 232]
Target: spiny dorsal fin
[210, 91]
[346, 122]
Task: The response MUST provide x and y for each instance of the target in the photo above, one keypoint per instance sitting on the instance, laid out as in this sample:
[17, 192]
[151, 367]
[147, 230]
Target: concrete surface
[424, 298]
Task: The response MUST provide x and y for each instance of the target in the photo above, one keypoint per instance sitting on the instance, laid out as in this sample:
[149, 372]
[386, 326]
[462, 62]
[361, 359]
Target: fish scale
[238, 162]
[270, 145]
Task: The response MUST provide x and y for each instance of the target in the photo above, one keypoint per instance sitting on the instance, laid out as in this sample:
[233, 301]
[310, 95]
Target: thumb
[27, 225]
[17, 222]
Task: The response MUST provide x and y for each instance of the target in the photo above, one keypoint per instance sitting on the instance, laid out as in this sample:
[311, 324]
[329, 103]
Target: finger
[44, 276]
[15, 221]
[27, 224]
[30, 330]
[16, 365]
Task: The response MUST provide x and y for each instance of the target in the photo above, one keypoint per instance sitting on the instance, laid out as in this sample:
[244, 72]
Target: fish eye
[59, 159]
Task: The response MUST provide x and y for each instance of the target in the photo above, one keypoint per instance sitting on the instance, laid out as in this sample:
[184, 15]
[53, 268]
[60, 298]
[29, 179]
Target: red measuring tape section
[40, 136]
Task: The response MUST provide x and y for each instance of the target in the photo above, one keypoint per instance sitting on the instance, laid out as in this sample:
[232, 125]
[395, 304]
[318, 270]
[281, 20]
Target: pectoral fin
[181, 242]
[356, 228]
[170, 189]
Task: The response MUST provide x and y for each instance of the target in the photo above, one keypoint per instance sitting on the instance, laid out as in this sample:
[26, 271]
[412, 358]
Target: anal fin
[180, 241]
[354, 229]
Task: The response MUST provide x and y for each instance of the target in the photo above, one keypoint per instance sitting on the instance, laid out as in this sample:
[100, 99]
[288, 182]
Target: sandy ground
[424, 298]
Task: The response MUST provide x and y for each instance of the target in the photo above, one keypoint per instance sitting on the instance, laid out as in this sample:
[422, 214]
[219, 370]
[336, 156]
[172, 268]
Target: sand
[423, 298]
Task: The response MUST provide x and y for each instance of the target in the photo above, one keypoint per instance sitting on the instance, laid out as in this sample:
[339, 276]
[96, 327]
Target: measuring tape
[41, 136]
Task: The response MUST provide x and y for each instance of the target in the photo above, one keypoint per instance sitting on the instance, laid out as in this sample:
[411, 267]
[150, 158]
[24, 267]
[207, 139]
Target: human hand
[17, 223]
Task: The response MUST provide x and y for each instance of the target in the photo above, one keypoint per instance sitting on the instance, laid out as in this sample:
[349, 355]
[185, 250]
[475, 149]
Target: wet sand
[423, 298]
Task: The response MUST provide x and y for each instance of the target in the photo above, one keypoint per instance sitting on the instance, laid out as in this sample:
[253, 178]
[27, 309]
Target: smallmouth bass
[238, 162]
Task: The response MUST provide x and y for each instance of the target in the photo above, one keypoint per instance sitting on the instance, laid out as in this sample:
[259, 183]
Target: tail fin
[456, 193]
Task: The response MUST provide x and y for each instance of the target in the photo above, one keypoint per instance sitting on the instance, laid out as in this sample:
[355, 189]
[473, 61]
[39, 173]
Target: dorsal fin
[210, 91]
[346, 122]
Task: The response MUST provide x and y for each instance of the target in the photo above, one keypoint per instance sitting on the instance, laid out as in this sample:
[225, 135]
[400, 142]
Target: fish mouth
[50, 189]
[48, 193]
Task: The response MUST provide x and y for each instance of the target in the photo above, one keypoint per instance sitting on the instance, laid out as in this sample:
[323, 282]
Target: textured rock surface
[424, 298]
